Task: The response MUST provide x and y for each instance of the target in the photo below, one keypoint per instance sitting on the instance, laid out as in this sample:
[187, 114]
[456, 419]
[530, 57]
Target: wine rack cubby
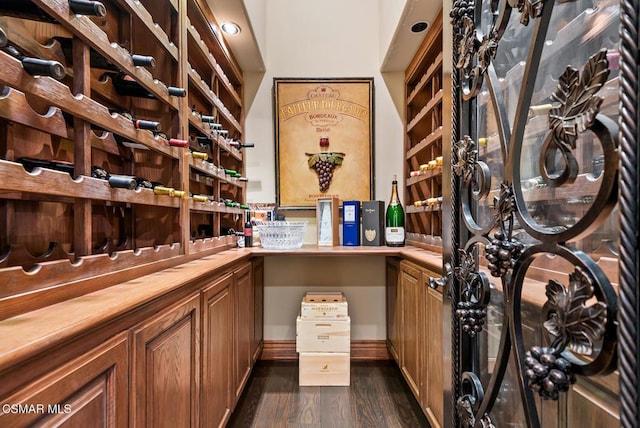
[423, 142]
[143, 93]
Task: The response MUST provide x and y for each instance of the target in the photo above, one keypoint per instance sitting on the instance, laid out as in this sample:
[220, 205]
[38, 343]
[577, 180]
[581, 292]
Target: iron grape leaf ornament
[571, 322]
[487, 50]
[465, 410]
[528, 9]
[577, 105]
[465, 151]
[466, 44]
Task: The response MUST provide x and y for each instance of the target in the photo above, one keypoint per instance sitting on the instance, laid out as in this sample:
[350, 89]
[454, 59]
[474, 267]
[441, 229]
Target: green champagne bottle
[394, 231]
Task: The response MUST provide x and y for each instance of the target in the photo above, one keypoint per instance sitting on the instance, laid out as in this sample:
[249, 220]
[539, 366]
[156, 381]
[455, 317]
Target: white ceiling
[243, 45]
[399, 53]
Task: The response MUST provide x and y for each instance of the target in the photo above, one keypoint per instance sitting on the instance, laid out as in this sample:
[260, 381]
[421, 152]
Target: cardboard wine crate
[323, 335]
[324, 305]
[324, 369]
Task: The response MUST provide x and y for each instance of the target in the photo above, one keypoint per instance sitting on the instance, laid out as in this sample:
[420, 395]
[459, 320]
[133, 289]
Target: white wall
[332, 38]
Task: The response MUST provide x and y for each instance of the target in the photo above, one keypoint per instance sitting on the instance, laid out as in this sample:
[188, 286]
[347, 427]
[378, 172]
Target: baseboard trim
[360, 350]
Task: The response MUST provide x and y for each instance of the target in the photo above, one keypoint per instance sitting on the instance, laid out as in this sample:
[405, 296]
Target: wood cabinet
[424, 106]
[414, 329]
[257, 268]
[243, 327]
[433, 396]
[61, 140]
[165, 367]
[217, 352]
[90, 390]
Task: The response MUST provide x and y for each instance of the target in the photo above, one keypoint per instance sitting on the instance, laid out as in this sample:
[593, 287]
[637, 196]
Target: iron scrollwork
[580, 317]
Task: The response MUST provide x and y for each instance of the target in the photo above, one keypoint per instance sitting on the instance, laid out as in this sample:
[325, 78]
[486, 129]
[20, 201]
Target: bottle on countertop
[248, 231]
[394, 231]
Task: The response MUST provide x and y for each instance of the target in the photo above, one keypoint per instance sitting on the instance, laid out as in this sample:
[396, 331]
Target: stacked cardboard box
[323, 340]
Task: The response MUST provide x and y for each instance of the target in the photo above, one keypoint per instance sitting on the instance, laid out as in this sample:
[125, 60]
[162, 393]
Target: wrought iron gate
[544, 172]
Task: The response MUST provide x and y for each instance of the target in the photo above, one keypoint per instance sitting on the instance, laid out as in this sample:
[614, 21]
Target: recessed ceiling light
[230, 28]
[419, 27]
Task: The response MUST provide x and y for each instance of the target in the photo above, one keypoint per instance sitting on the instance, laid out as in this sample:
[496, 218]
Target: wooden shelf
[424, 112]
[437, 63]
[425, 142]
[134, 7]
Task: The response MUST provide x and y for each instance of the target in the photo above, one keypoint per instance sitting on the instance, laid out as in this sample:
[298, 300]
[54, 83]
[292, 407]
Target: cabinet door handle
[443, 280]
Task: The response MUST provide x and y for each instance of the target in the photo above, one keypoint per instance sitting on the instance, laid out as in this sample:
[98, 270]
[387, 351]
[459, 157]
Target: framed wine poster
[324, 140]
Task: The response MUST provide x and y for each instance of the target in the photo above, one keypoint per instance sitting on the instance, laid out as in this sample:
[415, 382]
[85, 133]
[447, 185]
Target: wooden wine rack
[62, 236]
[423, 140]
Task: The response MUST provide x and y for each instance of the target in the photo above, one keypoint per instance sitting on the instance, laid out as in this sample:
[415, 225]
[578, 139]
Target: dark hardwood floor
[378, 397]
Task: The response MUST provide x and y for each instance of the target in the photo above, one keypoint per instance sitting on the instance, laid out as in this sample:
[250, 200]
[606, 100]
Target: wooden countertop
[28, 334]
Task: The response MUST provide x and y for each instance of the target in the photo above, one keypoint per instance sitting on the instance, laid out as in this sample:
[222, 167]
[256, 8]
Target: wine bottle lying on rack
[139, 123]
[37, 66]
[211, 120]
[161, 189]
[98, 61]
[199, 155]
[429, 202]
[115, 180]
[239, 145]
[31, 163]
[128, 86]
[26, 9]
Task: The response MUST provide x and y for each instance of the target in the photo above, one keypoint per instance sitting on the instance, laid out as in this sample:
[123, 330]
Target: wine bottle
[160, 189]
[176, 142]
[394, 231]
[30, 163]
[37, 66]
[128, 86]
[199, 155]
[239, 145]
[139, 123]
[200, 198]
[96, 60]
[26, 9]
[115, 180]
[208, 119]
[248, 231]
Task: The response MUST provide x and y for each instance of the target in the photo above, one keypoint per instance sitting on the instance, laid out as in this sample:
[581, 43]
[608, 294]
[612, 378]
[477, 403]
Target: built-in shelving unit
[89, 118]
[423, 142]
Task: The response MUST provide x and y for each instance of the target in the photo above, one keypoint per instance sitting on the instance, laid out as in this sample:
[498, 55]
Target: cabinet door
[412, 328]
[166, 368]
[258, 305]
[243, 290]
[90, 390]
[393, 309]
[433, 368]
[217, 343]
